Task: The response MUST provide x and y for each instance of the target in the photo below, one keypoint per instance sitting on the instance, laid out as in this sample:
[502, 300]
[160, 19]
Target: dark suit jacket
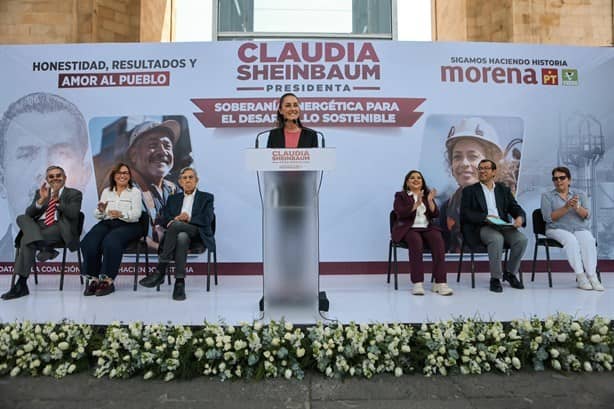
[202, 214]
[474, 210]
[308, 139]
[403, 204]
[68, 210]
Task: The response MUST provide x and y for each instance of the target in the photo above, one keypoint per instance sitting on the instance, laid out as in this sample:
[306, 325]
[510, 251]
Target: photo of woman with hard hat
[468, 140]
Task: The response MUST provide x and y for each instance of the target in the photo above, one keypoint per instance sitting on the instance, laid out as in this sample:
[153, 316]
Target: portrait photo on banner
[453, 146]
[154, 147]
[37, 130]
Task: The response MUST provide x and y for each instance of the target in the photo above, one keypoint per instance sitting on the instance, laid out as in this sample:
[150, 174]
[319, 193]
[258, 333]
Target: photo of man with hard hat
[155, 148]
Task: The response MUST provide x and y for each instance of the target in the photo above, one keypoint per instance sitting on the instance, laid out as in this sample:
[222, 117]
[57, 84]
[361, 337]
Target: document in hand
[497, 221]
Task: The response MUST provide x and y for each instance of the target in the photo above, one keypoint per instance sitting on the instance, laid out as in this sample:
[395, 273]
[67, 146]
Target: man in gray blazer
[52, 217]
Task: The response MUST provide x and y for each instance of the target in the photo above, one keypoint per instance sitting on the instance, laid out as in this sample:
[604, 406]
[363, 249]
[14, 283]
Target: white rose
[398, 371]
[148, 375]
[603, 330]
[556, 365]
[300, 352]
[554, 353]
[288, 373]
[516, 363]
[595, 338]
[169, 376]
[588, 367]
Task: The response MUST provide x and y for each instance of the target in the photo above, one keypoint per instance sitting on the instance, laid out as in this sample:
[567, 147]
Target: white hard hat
[476, 129]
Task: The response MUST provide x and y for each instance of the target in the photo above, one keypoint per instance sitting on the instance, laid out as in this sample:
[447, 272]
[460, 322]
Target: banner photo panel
[385, 107]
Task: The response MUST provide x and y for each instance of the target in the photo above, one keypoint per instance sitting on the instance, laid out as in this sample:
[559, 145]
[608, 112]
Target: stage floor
[359, 298]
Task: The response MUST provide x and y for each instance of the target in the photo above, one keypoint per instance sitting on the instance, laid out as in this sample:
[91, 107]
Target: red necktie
[50, 212]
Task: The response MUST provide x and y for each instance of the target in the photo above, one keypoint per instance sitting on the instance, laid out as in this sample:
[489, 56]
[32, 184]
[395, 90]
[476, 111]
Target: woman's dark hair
[562, 169]
[114, 170]
[280, 118]
[424, 185]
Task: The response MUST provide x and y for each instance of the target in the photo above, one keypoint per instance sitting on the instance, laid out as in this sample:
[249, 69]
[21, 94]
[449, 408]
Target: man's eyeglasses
[482, 168]
[559, 178]
[54, 176]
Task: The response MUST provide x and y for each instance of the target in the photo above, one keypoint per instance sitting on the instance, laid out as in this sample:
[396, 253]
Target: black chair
[465, 247]
[392, 250]
[140, 245]
[539, 230]
[58, 245]
[198, 247]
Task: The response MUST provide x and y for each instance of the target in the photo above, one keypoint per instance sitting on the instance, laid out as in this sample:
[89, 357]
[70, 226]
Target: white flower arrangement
[276, 350]
[563, 342]
[272, 351]
[361, 350]
[152, 349]
[56, 349]
[468, 347]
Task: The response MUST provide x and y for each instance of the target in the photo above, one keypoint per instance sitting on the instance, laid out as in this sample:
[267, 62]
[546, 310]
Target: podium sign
[290, 159]
[290, 180]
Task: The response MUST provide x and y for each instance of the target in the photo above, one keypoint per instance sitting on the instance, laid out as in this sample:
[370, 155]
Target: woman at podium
[415, 209]
[289, 132]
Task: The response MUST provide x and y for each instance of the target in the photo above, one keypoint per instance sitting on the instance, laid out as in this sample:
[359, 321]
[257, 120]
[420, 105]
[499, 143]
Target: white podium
[289, 182]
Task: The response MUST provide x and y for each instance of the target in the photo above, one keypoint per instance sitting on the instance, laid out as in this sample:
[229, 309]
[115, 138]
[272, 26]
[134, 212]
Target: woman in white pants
[566, 214]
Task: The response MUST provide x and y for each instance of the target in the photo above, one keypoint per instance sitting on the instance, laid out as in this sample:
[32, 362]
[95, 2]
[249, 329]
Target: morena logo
[494, 75]
[508, 75]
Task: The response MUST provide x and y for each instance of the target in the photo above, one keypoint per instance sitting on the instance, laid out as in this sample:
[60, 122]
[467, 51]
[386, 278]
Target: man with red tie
[53, 217]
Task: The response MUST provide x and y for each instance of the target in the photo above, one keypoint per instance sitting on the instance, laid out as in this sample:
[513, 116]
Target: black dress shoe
[152, 280]
[18, 290]
[495, 285]
[47, 254]
[179, 290]
[513, 280]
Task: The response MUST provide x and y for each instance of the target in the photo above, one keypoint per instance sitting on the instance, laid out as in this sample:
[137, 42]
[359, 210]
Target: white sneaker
[597, 286]
[442, 289]
[583, 282]
[418, 289]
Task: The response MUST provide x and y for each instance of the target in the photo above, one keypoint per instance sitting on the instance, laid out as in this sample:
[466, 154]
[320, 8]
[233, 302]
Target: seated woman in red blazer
[290, 132]
[415, 209]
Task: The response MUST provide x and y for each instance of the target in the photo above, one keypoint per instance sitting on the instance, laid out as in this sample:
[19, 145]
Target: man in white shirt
[486, 200]
[187, 216]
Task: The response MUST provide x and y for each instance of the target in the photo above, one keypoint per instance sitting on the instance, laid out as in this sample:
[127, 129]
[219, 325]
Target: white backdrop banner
[386, 108]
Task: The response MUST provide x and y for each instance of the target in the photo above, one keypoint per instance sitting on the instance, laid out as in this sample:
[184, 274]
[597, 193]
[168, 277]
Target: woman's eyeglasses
[559, 178]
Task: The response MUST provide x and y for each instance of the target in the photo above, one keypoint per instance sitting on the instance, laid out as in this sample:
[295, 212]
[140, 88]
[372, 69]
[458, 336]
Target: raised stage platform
[359, 298]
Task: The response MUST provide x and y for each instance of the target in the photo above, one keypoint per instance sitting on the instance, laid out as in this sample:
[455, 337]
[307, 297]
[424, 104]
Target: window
[286, 19]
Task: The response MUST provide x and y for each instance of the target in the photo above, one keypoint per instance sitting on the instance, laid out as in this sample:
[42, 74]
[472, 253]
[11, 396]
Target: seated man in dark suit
[187, 216]
[489, 200]
[52, 217]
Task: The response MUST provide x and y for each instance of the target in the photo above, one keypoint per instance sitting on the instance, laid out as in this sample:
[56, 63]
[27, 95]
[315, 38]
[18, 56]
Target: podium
[289, 181]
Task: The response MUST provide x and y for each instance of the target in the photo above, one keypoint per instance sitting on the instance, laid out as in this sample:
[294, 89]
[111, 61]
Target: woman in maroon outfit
[415, 209]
